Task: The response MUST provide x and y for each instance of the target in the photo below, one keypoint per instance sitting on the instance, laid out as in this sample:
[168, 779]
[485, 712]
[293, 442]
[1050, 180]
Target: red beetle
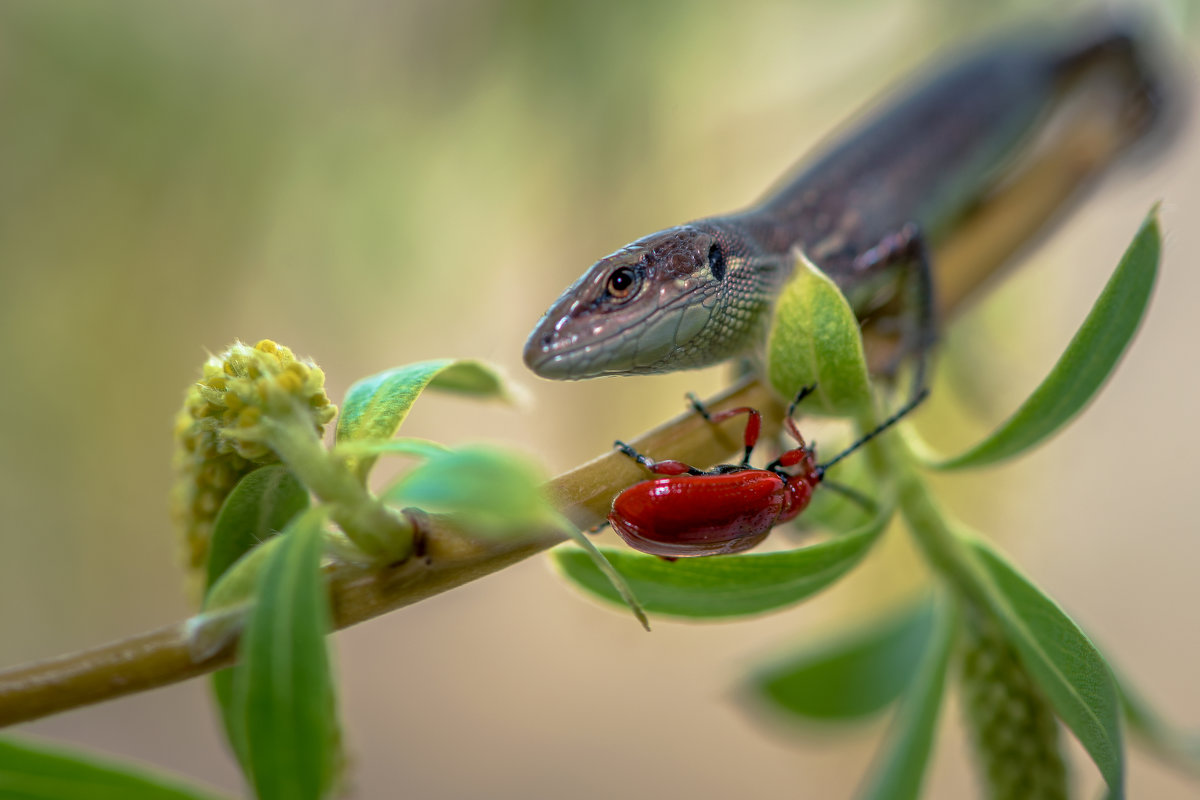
[731, 507]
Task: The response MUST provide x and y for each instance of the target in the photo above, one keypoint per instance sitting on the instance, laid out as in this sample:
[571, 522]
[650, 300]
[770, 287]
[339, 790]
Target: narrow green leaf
[856, 676]
[261, 504]
[235, 587]
[470, 377]
[1062, 661]
[283, 703]
[33, 770]
[900, 771]
[228, 600]
[1087, 362]
[1179, 747]
[486, 489]
[723, 586]
[814, 339]
[220, 683]
[375, 407]
[615, 579]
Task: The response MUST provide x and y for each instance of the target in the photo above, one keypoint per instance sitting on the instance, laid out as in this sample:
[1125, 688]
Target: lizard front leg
[905, 253]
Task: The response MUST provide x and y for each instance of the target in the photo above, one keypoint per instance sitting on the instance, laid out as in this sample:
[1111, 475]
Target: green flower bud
[220, 434]
[1014, 729]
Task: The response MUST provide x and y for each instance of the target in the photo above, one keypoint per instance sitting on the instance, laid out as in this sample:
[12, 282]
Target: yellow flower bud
[219, 434]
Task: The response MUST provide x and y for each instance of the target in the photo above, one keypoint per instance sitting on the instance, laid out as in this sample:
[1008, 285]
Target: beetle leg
[906, 252]
[805, 452]
[789, 421]
[853, 495]
[698, 405]
[657, 467]
[753, 423]
[804, 392]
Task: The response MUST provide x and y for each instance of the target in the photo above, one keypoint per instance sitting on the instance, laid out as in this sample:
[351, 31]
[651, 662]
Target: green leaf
[485, 489]
[901, 768]
[814, 338]
[375, 407]
[491, 492]
[227, 601]
[404, 446]
[236, 587]
[724, 586]
[856, 676]
[221, 685]
[36, 771]
[1087, 362]
[282, 698]
[261, 504]
[1060, 658]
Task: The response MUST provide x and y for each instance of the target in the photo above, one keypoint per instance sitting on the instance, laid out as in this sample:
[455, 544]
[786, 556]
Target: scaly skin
[701, 293]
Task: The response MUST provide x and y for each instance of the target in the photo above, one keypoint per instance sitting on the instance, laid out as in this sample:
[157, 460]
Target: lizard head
[638, 310]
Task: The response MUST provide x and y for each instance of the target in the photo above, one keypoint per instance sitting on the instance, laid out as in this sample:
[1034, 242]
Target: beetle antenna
[883, 426]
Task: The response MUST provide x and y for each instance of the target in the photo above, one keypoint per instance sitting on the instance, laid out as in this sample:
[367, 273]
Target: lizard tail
[1126, 46]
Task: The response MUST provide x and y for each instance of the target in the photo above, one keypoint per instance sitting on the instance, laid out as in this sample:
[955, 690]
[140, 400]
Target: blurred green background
[374, 183]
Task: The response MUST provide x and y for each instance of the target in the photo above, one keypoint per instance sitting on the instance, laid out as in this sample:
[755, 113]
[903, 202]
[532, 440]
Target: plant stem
[931, 527]
[373, 527]
[357, 593]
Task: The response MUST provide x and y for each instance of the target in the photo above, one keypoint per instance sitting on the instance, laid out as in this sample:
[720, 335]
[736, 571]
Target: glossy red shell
[703, 515]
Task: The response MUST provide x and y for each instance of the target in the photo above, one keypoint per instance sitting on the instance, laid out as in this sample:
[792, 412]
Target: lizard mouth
[554, 352]
[562, 347]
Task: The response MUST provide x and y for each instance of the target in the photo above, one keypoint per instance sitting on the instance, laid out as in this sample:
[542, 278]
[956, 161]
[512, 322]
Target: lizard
[869, 210]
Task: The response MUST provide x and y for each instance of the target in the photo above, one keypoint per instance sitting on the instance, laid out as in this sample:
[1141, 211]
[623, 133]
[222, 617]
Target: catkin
[1014, 729]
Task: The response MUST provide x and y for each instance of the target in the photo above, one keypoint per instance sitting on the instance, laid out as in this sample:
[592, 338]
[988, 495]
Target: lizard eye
[622, 283]
[716, 261]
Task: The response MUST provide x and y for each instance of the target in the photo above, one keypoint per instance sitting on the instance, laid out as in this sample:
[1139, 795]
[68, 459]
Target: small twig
[451, 558]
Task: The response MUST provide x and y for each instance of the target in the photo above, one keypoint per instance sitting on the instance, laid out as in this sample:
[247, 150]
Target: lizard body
[863, 210]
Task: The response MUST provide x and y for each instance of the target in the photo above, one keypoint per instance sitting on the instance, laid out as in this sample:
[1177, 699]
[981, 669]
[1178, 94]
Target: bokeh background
[373, 183]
